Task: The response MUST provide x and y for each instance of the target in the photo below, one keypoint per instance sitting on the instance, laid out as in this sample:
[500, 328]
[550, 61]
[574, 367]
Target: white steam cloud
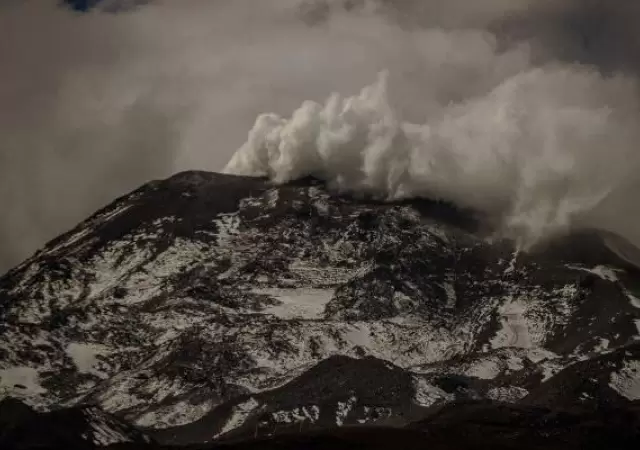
[547, 147]
[506, 115]
[541, 151]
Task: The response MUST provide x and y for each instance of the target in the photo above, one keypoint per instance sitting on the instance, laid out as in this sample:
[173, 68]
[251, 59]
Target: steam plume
[550, 146]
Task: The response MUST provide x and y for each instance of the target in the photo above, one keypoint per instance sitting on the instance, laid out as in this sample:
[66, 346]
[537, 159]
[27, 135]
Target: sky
[95, 103]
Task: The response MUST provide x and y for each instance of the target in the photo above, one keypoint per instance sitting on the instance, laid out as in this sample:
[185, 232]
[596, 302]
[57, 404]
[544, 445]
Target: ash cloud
[93, 105]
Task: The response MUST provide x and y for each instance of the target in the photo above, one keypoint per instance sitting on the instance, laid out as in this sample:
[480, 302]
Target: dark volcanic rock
[245, 309]
[494, 425]
[22, 428]
[337, 391]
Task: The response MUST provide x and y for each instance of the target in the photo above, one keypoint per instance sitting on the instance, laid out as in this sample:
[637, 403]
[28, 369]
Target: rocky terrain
[207, 307]
[211, 311]
[78, 428]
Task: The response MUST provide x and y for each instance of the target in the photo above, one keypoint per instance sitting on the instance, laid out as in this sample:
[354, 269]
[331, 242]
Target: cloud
[534, 126]
[93, 105]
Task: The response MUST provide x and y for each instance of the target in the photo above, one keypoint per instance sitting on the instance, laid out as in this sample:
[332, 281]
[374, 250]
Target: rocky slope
[79, 428]
[463, 425]
[210, 306]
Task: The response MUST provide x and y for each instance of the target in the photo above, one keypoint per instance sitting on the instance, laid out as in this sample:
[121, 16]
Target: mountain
[211, 307]
[79, 428]
[463, 425]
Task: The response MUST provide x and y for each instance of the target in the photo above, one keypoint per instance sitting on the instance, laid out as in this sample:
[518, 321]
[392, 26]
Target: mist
[93, 105]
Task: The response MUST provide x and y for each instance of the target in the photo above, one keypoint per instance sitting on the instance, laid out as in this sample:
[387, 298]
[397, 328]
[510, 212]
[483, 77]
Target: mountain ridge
[196, 307]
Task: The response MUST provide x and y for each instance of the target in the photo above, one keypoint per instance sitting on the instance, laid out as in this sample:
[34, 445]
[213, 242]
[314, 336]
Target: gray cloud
[93, 105]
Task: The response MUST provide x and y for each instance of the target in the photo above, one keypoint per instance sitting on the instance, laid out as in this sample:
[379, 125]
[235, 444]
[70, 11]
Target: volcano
[209, 308]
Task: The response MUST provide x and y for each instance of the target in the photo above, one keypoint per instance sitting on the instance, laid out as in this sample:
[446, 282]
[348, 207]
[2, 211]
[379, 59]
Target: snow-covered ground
[164, 328]
[297, 303]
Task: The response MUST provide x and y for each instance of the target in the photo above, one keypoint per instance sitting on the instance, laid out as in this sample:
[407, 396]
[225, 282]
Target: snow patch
[310, 274]
[403, 303]
[239, 415]
[427, 394]
[272, 197]
[507, 394]
[375, 413]
[635, 301]
[343, 409]
[550, 369]
[485, 370]
[626, 382]
[85, 357]
[604, 272]
[359, 334]
[512, 263]
[71, 240]
[515, 330]
[297, 303]
[228, 227]
[602, 346]
[115, 263]
[450, 291]
[20, 381]
[300, 414]
[103, 434]
[175, 414]
[538, 354]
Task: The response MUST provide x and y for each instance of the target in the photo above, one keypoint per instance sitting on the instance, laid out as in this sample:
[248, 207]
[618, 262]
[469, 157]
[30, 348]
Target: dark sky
[81, 5]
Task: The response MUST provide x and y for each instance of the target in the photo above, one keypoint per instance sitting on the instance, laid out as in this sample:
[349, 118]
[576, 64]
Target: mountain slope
[77, 428]
[209, 298]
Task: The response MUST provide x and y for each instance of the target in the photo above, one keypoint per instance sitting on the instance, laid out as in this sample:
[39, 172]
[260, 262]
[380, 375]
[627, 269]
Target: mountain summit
[211, 306]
